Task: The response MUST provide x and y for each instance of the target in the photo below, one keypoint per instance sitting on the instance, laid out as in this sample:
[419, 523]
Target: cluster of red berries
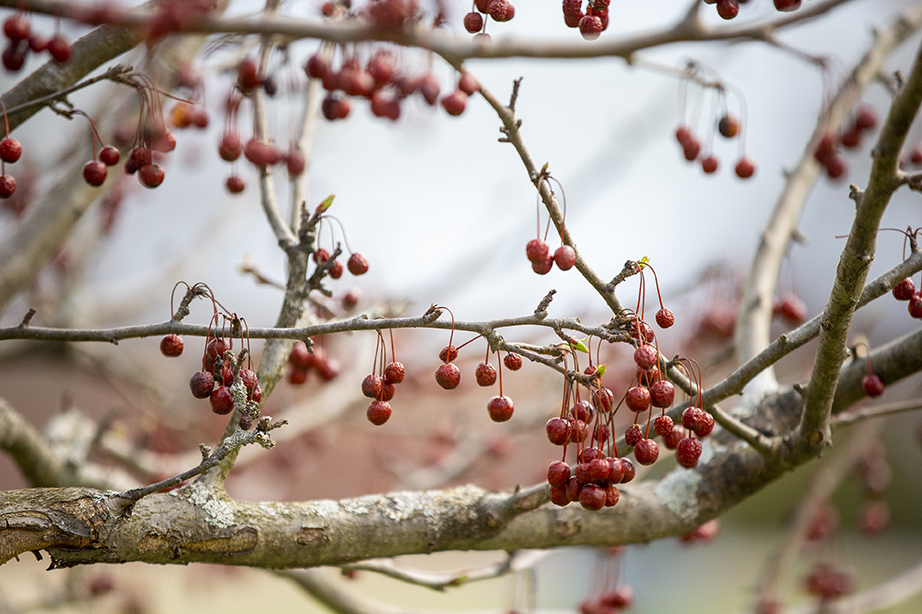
[871, 383]
[728, 127]
[215, 379]
[301, 361]
[903, 291]
[829, 580]
[539, 254]
[382, 84]
[21, 40]
[591, 23]
[728, 9]
[10, 152]
[380, 384]
[386, 14]
[499, 10]
[827, 150]
[609, 602]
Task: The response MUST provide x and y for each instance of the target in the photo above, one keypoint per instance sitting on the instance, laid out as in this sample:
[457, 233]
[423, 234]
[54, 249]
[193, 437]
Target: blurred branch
[754, 321]
[880, 410]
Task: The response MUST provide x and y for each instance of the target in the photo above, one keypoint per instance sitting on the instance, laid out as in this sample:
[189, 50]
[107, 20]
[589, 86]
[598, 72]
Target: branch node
[205, 450]
[27, 318]
[541, 309]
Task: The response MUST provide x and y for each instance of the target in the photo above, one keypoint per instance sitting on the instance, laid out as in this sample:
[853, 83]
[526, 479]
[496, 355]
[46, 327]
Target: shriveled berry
[536, 250]
[904, 290]
[171, 345]
[688, 451]
[565, 257]
[673, 437]
[593, 497]
[558, 496]
[615, 471]
[10, 150]
[705, 429]
[94, 173]
[336, 270]
[378, 412]
[873, 385]
[648, 377]
[662, 425]
[512, 361]
[473, 22]
[589, 454]
[787, 5]
[590, 26]
[642, 331]
[558, 431]
[394, 373]
[371, 386]
[201, 384]
[222, 401]
[629, 470]
[357, 264]
[558, 474]
[448, 353]
[448, 376]
[387, 391]
[500, 408]
[633, 434]
[664, 318]
[662, 394]
[257, 394]
[693, 418]
[728, 9]
[245, 423]
[573, 489]
[603, 399]
[249, 379]
[645, 356]
[646, 451]
[485, 374]
[638, 398]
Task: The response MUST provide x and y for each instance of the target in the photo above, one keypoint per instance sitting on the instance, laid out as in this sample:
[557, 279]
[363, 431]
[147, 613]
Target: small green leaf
[579, 346]
[327, 202]
[600, 370]
[644, 261]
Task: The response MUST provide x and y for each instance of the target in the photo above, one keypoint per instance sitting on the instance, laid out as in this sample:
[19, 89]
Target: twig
[870, 412]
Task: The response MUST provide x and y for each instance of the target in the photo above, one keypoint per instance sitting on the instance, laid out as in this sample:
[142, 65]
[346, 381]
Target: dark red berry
[336, 270]
[151, 175]
[16, 27]
[728, 126]
[14, 56]
[485, 374]
[865, 118]
[558, 431]
[448, 353]
[108, 155]
[235, 184]
[642, 331]
[473, 22]
[645, 356]
[673, 437]
[7, 186]
[648, 377]
[201, 384]
[629, 470]
[171, 345]
[663, 425]
[915, 303]
[705, 429]
[565, 257]
[662, 393]
[334, 108]
[693, 418]
[787, 5]
[745, 168]
[603, 399]
[536, 250]
[378, 412]
[646, 451]
[851, 138]
[638, 398]
[543, 267]
[709, 164]
[371, 386]
[455, 102]
[94, 173]
[297, 376]
[873, 385]
[59, 48]
[615, 471]
[558, 474]
[512, 361]
[248, 75]
[593, 497]
[664, 318]
[590, 26]
[836, 167]
[633, 434]
[688, 451]
[249, 379]
[10, 150]
[691, 149]
[317, 67]
[222, 401]
[357, 264]
[728, 9]
[448, 376]
[300, 356]
[904, 290]
[394, 373]
[499, 407]
[230, 147]
[558, 496]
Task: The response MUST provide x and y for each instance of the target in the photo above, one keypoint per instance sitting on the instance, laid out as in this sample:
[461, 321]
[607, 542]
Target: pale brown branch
[871, 412]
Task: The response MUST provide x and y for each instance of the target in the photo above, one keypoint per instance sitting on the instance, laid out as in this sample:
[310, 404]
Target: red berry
[915, 303]
[448, 353]
[59, 48]
[230, 147]
[904, 290]
[300, 356]
[664, 318]
[565, 257]
[865, 118]
[485, 374]
[648, 377]
[662, 393]
[499, 407]
[295, 162]
[249, 379]
[222, 401]
[16, 27]
[151, 175]
[745, 168]
[793, 309]
[633, 434]
[787, 5]
[371, 386]
[693, 418]
[387, 392]
[645, 356]
[108, 155]
[915, 156]
[512, 361]
[603, 399]
[497, 9]
[235, 184]
[593, 497]
[590, 26]
[94, 173]
[381, 67]
[728, 9]
[851, 138]
[297, 376]
[558, 431]
[261, 153]
[536, 250]
[357, 264]
[482, 5]
[688, 452]
[248, 75]
[691, 149]
[448, 376]
[558, 496]
[378, 412]
[615, 471]
[558, 474]
[836, 167]
[728, 126]
[7, 186]
[468, 84]
[826, 148]
[171, 345]
[455, 102]
[646, 451]
[336, 271]
[663, 425]
[543, 267]
[14, 56]
[201, 384]
[705, 429]
[709, 164]
[383, 105]
[321, 255]
[394, 373]
[334, 108]
[317, 67]
[473, 22]
[673, 437]
[10, 150]
[638, 398]
[873, 385]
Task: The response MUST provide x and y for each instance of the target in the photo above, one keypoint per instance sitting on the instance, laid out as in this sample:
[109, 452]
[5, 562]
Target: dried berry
[171, 345]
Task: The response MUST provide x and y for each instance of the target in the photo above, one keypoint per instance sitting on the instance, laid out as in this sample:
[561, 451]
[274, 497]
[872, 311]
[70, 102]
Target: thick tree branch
[856, 259]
